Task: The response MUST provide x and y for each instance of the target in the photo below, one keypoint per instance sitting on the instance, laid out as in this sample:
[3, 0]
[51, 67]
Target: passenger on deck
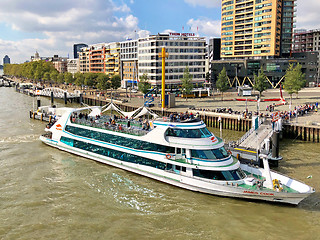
[171, 117]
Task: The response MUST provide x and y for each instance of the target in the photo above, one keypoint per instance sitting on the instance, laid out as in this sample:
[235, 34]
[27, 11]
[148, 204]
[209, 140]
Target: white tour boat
[183, 153]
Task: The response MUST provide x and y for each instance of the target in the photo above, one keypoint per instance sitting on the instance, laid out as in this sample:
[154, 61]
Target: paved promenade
[306, 96]
[208, 104]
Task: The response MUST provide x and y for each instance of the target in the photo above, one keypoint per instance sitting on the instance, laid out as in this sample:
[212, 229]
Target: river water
[49, 194]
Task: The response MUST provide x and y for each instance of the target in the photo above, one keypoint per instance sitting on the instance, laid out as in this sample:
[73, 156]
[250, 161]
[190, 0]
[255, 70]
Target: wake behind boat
[178, 150]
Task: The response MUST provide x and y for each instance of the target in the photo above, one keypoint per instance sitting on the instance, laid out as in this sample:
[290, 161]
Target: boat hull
[186, 182]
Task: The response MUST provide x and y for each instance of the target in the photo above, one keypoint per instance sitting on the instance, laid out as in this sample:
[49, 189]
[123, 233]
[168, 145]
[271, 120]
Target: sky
[52, 27]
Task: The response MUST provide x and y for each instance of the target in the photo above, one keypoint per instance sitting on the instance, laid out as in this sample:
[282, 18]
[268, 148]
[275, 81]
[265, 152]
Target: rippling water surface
[49, 194]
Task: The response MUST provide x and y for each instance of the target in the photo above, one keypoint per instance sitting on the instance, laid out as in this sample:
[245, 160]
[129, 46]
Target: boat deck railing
[136, 128]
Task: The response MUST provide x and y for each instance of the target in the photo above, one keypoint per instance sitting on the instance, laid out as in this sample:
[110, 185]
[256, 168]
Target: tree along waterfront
[44, 72]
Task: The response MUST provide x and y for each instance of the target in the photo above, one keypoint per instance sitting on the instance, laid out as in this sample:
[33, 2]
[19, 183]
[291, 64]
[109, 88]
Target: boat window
[169, 166]
[209, 154]
[127, 157]
[220, 175]
[119, 140]
[224, 152]
[67, 141]
[189, 133]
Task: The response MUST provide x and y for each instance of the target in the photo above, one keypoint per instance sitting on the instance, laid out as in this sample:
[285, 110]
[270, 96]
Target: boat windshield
[218, 153]
[220, 175]
[189, 133]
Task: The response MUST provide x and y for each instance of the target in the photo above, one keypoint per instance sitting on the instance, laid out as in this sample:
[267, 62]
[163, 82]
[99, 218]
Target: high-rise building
[6, 60]
[184, 49]
[76, 49]
[287, 25]
[129, 63]
[256, 28]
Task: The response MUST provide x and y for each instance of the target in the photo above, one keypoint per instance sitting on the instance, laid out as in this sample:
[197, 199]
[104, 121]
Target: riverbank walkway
[210, 105]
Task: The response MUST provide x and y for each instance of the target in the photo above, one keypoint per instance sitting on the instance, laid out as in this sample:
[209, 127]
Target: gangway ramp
[255, 138]
[264, 138]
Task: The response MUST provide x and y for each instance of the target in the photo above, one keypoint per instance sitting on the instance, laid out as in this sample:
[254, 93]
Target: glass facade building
[256, 28]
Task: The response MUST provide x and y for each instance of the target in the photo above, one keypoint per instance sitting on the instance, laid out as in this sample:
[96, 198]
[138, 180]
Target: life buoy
[165, 119]
[168, 156]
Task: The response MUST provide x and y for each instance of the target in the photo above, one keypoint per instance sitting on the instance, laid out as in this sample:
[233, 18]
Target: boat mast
[268, 183]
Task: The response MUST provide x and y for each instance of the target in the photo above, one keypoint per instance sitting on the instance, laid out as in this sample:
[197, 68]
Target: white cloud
[204, 3]
[205, 27]
[143, 33]
[169, 31]
[308, 14]
[63, 23]
[122, 8]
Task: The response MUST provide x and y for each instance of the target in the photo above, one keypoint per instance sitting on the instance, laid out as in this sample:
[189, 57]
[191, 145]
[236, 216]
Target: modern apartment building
[112, 58]
[100, 58]
[84, 59]
[97, 56]
[184, 49]
[308, 41]
[252, 29]
[129, 63]
[287, 25]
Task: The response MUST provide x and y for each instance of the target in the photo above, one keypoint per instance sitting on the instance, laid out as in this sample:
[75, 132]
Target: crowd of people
[244, 114]
[299, 110]
[179, 117]
[116, 123]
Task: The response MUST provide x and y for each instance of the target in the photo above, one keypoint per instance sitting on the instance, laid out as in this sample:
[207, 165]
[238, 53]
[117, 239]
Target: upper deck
[128, 126]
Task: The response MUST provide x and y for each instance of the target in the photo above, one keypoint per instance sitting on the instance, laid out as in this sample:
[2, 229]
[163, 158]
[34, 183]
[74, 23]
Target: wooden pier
[304, 133]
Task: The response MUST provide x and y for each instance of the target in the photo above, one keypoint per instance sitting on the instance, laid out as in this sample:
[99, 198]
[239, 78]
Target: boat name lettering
[257, 193]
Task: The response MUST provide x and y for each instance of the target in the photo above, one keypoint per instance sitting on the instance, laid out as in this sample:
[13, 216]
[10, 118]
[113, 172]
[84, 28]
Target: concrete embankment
[231, 121]
[306, 127]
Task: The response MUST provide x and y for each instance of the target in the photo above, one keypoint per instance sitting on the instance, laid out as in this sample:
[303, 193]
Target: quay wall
[304, 133]
[290, 131]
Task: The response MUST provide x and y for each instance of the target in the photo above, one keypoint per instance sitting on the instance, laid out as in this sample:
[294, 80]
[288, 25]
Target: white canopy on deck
[141, 111]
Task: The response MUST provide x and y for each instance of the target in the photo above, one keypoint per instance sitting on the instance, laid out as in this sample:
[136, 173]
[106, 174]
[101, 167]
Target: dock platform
[260, 139]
